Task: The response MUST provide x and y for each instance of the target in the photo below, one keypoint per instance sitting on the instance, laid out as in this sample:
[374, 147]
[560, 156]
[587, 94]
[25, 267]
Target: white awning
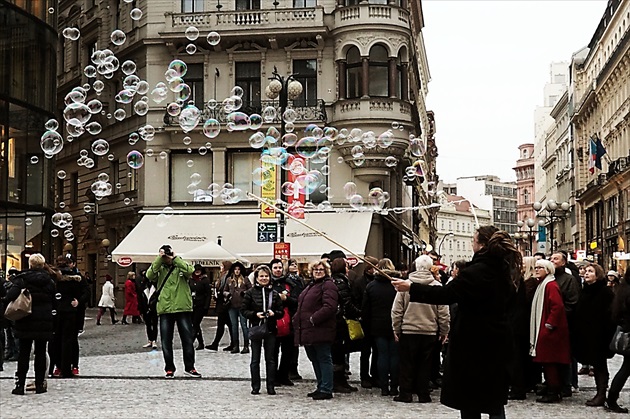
[239, 235]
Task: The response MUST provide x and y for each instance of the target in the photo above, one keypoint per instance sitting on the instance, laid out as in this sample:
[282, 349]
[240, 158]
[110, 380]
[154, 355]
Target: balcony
[315, 113]
[373, 108]
[272, 21]
[364, 14]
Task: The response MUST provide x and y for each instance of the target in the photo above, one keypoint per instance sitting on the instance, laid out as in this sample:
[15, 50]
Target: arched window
[353, 73]
[379, 71]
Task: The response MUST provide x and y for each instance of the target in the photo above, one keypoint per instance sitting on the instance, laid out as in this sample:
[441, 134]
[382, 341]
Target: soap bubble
[289, 139]
[356, 201]
[191, 33]
[395, 125]
[191, 49]
[89, 71]
[54, 232]
[94, 128]
[350, 189]
[202, 151]
[51, 142]
[98, 86]
[186, 140]
[385, 139]
[190, 163]
[61, 174]
[136, 14]
[149, 152]
[127, 201]
[213, 38]
[118, 37]
[128, 67]
[34, 160]
[100, 147]
[179, 67]
[135, 159]
[391, 161]
[120, 114]
[269, 114]
[124, 96]
[257, 140]
[141, 107]
[163, 155]
[290, 115]
[71, 33]
[95, 106]
[51, 125]
[189, 118]
[147, 132]
[142, 87]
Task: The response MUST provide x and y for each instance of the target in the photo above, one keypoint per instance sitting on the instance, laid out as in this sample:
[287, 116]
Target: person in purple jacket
[314, 324]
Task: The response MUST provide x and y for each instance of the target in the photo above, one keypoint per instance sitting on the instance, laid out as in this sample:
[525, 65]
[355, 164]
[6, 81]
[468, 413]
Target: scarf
[537, 312]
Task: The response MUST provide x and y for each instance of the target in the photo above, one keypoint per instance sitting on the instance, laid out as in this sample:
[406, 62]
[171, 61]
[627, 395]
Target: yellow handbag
[354, 329]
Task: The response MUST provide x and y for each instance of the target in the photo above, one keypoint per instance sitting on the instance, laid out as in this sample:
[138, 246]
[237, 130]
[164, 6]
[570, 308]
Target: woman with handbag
[621, 316]
[594, 328]
[315, 323]
[262, 306]
[37, 327]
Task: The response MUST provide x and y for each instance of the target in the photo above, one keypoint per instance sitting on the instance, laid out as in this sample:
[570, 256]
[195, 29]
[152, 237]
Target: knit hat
[336, 254]
[613, 273]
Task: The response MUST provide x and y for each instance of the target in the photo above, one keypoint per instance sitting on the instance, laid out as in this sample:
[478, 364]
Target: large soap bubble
[135, 159]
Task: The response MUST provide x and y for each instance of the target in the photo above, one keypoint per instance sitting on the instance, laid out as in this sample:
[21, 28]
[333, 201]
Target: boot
[601, 382]
[19, 386]
[612, 406]
[340, 383]
[41, 387]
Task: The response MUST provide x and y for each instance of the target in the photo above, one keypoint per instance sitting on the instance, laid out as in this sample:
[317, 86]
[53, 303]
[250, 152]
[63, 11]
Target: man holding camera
[174, 305]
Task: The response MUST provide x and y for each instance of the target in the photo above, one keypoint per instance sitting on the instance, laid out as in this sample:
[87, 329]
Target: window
[60, 190]
[194, 79]
[457, 226]
[132, 180]
[450, 226]
[304, 3]
[526, 196]
[354, 77]
[248, 78]
[190, 183]
[74, 188]
[247, 4]
[241, 166]
[114, 179]
[306, 71]
[442, 225]
[379, 71]
[189, 6]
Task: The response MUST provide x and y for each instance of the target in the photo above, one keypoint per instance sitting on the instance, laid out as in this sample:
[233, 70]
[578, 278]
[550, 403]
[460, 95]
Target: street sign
[282, 251]
[267, 232]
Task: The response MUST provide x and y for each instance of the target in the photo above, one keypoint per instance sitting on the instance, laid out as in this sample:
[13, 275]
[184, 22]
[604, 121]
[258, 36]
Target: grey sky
[489, 62]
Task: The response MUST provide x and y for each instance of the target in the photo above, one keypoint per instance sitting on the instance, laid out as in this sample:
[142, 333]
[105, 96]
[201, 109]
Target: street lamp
[284, 88]
[551, 207]
[531, 223]
[449, 234]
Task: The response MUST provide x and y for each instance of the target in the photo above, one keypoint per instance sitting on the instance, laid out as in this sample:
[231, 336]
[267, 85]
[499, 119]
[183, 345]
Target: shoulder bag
[620, 343]
[261, 331]
[153, 300]
[21, 307]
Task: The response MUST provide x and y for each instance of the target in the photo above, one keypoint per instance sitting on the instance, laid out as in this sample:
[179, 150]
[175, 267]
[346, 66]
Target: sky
[489, 62]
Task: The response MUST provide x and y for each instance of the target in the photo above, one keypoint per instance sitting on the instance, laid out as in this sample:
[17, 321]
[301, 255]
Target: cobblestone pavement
[119, 378]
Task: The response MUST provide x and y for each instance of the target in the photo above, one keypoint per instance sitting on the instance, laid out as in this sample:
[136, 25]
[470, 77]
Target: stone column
[218, 169]
[391, 77]
[341, 76]
[365, 76]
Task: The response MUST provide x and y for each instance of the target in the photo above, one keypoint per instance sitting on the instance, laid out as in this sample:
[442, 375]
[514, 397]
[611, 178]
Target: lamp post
[449, 234]
[551, 207]
[283, 88]
[530, 223]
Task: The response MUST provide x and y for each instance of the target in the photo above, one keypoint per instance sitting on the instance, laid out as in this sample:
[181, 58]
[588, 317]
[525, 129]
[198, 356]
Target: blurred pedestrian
[201, 292]
[369, 373]
[293, 275]
[476, 376]
[222, 307]
[150, 316]
[315, 323]
[621, 316]
[131, 300]
[107, 301]
[613, 278]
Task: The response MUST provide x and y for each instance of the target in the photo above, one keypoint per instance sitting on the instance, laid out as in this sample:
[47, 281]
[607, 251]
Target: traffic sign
[282, 251]
[267, 232]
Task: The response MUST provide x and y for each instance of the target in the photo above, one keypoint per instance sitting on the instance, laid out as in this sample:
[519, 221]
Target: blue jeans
[321, 358]
[387, 362]
[270, 362]
[185, 329]
[235, 318]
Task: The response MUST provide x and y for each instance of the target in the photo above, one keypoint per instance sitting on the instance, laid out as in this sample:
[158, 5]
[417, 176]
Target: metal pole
[284, 98]
[531, 236]
[551, 232]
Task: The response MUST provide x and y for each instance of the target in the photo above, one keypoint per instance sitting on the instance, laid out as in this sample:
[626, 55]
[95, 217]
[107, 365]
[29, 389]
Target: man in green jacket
[171, 273]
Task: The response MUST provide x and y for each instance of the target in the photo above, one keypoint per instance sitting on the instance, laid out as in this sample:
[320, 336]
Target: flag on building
[597, 151]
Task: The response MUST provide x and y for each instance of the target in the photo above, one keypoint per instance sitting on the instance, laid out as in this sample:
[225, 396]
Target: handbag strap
[165, 279]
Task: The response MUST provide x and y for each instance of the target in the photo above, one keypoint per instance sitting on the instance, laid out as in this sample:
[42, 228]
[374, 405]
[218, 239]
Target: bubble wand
[264, 201]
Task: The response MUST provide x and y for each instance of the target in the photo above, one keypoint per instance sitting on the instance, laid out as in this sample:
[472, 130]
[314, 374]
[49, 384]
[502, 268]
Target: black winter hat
[336, 254]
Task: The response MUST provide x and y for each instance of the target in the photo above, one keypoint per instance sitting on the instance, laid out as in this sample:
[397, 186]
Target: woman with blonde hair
[314, 324]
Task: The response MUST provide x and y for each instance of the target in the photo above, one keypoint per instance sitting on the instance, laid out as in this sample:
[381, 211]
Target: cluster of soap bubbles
[374, 201]
[101, 186]
[62, 220]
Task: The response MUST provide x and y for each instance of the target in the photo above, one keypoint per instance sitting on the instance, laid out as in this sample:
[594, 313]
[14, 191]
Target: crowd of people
[510, 324]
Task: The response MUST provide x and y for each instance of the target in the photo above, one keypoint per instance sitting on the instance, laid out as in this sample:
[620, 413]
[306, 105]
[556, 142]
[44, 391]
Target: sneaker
[75, 371]
[192, 373]
[212, 347]
[245, 350]
[30, 386]
[148, 345]
[56, 373]
[80, 333]
[312, 393]
[155, 345]
[170, 374]
[228, 348]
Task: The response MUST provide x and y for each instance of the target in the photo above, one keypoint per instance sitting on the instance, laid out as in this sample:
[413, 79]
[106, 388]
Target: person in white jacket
[416, 328]
[107, 301]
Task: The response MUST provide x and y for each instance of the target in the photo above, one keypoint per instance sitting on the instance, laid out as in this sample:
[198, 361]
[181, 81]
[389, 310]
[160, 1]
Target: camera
[168, 250]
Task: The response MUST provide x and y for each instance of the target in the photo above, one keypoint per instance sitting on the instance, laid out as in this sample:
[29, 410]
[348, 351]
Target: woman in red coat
[131, 300]
[549, 330]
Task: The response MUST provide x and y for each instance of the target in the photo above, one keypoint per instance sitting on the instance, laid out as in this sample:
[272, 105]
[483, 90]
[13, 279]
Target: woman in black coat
[476, 374]
[347, 310]
[593, 328]
[37, 327]
[262, 304]
[621, 316]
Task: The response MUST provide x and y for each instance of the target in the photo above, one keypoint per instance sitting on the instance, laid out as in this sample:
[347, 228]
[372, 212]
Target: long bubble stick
[264, 201]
